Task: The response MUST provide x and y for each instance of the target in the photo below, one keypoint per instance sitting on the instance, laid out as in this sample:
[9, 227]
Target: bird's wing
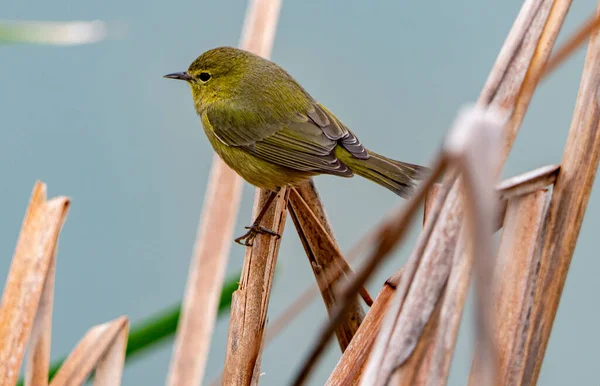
[305, 143]
[301, 146]
[334, 129]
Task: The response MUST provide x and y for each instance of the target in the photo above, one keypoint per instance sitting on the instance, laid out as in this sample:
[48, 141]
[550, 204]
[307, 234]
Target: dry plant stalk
[515, 282]
[529, 182]
[327, 262]
[387, 237]
[37, 360]
[504, 88]
[401, 331]
[215, 232]
[565, 215]
[103, 348]
[416, 367]
[351, 364]
[310, 293]
[250, 302]
[410, 372]
[28, 286]
[433, 370]
[474, 149]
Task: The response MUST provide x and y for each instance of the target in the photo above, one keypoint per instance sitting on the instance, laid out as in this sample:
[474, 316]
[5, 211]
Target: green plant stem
[148, 333]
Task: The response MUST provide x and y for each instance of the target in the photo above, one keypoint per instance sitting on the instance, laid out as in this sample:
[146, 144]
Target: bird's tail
[399, 177]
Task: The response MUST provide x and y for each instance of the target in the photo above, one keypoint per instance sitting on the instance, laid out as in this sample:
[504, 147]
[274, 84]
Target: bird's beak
[179, 75]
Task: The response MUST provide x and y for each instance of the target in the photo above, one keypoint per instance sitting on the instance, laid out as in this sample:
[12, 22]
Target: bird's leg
[247, 239]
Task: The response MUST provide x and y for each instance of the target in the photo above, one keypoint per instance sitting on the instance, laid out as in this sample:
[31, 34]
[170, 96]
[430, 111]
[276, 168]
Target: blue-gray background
[98, 123]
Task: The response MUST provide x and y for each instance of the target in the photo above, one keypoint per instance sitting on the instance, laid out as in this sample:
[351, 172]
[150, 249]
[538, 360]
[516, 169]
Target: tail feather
[399, 177]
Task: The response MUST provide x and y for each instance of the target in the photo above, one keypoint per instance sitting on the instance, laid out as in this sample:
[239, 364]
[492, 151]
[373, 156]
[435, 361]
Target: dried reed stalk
[417, 298]
[476, 152]
[350, 366]
[387, 237]
[327, 262]
[29, 284]
[215, 232]
[411, 367]
[529, 182]
[37, 360]
[515, 282]
[416, 367]
[504, 88]
[434, 369]
[308, 295]
[102, 348]
[250, 302]
[569, 201]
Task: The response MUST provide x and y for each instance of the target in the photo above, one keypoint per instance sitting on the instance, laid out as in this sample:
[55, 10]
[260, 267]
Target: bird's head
[222, 73]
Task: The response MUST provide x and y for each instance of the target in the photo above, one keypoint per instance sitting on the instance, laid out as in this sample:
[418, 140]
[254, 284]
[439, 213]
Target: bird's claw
[247, 239]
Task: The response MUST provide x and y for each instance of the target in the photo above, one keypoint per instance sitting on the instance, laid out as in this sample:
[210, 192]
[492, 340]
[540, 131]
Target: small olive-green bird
[268, 129]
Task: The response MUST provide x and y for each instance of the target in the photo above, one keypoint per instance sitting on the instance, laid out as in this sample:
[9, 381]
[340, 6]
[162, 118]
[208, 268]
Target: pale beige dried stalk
[507, 92]
[215, 232]
[37, 361]
[388, 235]
[476, 152]
[434, 368]
[27, 280]
[529, 182]
[569, 201]
[401, 330]
[102, 348]
[350, 366]
[309, 294]
[250, 302]
[327, 262]
[515, 282]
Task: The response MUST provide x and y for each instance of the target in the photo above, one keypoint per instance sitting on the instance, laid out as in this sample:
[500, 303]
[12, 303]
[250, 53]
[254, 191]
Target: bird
[266, 127]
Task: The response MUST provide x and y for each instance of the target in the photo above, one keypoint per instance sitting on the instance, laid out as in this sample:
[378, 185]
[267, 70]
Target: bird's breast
[256, 171]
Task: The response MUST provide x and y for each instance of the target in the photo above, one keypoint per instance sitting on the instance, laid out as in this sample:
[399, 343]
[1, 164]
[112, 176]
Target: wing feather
[304, 143]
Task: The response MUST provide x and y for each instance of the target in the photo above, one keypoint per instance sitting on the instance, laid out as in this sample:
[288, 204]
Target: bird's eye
[204, 76]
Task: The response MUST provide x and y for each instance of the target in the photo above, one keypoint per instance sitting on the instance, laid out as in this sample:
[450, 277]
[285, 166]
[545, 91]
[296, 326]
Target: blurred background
[98, 123]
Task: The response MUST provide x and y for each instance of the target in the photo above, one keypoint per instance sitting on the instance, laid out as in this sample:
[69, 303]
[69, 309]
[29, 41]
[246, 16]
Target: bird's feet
[247, 239]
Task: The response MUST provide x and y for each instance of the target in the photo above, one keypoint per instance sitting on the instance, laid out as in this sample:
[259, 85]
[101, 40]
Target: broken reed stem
[435, 372]
[576, 40]
[478, 156]
[215, 232]
[327, 262]
[557, 11]
[411, 268]
[528, 182]
[515, 283]
[507, 91]
[350, 366]
[102, 348]
[37, 361]
[389, 235]
[409, 372]
[569, 201]
[25, 284]
[415, 369]
[424, 278]
[250, 302]
[306, 297]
